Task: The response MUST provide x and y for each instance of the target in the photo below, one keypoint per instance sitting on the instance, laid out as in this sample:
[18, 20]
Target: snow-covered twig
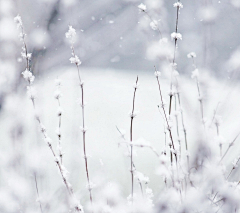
[57, 96]
[29, 77]
[71, 34]
[129, 150]
[132, 115]
[157, 74]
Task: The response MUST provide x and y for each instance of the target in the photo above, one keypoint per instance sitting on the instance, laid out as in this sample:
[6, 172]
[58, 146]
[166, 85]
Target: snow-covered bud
[157, 74]
[142, 7]
[58, 132]
[176, 36]
[154, 25]
[42, 128]
[90, 186]
[59, 111]
[178, 4]
[22, 36]
[132, 114]
[81, 83]
[27, 56]
[79, 208]
[71, 33]
[28, 76]
[18, 21]
[48, 141]
[141, 177]
[136, 85]
[57, 160]
[235, 162]
[200, 98]
[75, 60]
[83, 129]
[171, 92]
[191, 55]
[57, 94]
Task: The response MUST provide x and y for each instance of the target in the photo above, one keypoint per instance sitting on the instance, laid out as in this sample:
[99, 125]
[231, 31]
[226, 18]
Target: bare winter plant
[29, 77]
[71, 35]
[132, 116]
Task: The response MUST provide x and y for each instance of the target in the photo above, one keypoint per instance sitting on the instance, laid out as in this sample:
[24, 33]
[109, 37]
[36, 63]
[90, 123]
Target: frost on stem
[176, 36]
[57, 94]
[18, 21]
[90, 186]
[195, 74]
[141, 177]
[157, 74]
[191, 55]
[142, 7]
[31, 92]
[178, 4]
[75, 60]
[28, 76]
[154, 25]
[71, 33]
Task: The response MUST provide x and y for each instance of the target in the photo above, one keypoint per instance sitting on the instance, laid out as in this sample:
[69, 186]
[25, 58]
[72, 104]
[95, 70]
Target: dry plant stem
[220, 145]
[153, 22]
[214, 114]
[184, 128]
[200, 101]
[168, 126]
[35, 179]
[234, 167]
[69, 189]
[25, 46]
[131, 134]
[176, 117]
[83, 125]
[173, 61]
[165, 132]
[146, 146]
[199, 94]
[122, 135]
[59, 134]
[229, 146]
[50, 147]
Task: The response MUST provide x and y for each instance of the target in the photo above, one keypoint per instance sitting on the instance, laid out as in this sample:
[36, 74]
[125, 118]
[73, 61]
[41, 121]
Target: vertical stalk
[36, 185]
[83, 125]
[168, 126]
[174, 59]
[131, 134]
